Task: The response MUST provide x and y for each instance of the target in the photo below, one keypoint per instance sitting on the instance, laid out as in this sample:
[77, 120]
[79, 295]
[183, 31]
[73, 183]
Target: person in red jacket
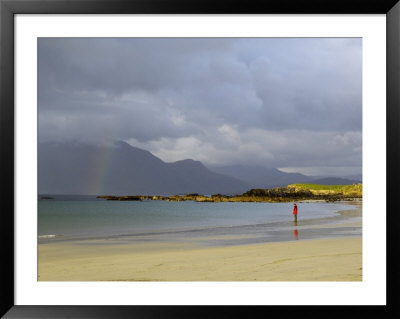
[295, 212]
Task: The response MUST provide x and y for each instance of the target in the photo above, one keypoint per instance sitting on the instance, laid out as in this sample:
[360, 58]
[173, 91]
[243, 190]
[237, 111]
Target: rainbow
[100, 168]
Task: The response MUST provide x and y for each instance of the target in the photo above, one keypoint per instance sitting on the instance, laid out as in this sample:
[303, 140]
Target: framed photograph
[163, 157]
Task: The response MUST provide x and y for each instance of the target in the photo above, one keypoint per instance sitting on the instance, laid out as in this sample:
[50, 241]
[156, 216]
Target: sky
[290, 103]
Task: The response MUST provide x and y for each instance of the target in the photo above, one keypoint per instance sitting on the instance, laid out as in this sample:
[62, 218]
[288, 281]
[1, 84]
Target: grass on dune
[352, 190]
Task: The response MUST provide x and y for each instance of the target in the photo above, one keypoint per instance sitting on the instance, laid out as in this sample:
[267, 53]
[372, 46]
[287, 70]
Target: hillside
[68, 168]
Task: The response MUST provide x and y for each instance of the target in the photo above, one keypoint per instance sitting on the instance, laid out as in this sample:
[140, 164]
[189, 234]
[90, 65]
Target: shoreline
[230, 199]
[342, 218]
[325, 258]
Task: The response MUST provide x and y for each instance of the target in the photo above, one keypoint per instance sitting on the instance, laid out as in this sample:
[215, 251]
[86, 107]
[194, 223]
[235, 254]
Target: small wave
[47, 236]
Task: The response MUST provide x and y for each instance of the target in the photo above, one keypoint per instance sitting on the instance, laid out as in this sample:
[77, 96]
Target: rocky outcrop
[279, 194]
[125, 198]
[46, 197]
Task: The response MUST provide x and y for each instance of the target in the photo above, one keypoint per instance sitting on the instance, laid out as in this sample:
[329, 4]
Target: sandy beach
[324, 259]
[338, 259]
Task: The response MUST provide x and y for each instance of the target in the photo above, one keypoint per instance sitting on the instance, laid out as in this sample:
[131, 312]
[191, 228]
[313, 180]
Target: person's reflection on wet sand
[295, 232]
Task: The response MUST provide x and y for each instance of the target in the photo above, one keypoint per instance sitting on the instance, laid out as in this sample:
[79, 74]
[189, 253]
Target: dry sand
[338, 259]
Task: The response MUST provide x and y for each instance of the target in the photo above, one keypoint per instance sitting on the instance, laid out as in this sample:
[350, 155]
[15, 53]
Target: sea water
[63, 218]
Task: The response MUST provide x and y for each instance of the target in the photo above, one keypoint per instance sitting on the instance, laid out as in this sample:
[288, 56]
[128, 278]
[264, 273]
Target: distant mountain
[264, 177]
[357, 177]
[72, 168]
[260, 177]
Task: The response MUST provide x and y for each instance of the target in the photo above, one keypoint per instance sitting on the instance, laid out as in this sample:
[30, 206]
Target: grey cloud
[179, 90]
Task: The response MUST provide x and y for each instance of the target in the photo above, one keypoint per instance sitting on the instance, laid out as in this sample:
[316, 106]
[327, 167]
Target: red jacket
[295, 210]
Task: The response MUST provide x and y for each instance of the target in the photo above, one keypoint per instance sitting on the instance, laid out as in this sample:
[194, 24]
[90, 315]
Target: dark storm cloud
[276, 101]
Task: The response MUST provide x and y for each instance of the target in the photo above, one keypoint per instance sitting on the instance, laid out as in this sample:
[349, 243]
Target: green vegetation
[354, 190]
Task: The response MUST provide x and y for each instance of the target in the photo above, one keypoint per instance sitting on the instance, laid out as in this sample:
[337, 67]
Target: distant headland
[290, 193]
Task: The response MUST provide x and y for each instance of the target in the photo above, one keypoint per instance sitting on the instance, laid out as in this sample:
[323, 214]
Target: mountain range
[121, 169]
[267, 177]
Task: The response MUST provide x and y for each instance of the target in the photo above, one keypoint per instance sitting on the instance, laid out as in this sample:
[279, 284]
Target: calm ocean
[85, 217]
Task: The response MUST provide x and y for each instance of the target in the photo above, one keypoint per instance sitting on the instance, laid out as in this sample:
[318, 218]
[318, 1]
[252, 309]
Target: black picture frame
[9, 8]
